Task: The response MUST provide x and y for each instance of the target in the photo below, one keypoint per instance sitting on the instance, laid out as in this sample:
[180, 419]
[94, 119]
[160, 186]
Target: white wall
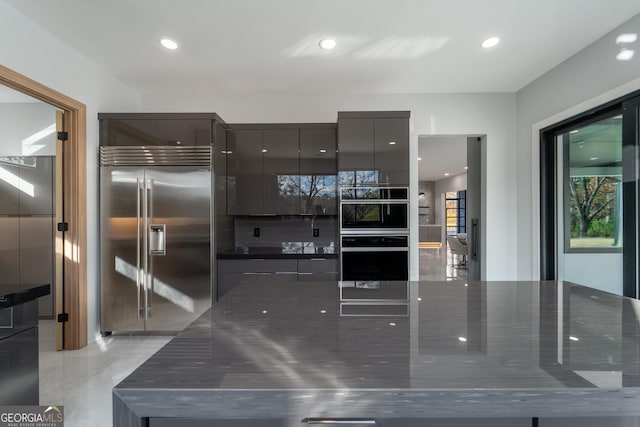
[432, 114]
[590, 78]
[29, 50]
[21, 120]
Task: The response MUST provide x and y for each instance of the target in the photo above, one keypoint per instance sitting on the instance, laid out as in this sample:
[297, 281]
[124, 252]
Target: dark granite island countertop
[395, 351]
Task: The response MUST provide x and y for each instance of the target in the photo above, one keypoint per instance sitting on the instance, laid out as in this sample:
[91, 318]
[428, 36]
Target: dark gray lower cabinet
[19, 354]
[234, 272]
[318, 269]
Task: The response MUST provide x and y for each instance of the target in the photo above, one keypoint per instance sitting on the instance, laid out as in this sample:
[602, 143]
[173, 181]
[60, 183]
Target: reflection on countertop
[498, 349]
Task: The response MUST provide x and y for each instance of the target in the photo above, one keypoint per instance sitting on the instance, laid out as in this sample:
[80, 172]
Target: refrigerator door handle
[138, 272]
[145, 248]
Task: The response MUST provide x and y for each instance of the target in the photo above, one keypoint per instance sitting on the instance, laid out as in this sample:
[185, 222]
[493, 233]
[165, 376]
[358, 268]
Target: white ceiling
[257, 46]
[440, 155]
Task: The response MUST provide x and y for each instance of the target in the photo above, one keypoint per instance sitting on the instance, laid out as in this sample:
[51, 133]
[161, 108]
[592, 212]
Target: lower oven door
[375, 264]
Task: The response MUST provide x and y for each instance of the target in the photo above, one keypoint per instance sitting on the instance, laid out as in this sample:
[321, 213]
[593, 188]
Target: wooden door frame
[75, 202]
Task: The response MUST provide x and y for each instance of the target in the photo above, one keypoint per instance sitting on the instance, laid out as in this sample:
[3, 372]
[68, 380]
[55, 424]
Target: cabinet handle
[305, 273]
[318, 259]
[338, 421]
[250, 274]
[286, 272]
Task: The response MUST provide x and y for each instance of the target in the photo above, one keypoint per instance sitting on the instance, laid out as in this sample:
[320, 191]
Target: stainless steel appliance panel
[382, 257]
[37, 256]
[374, 210]
[9, 188]
[179, 240]
[37, 178]
[121, 197]
[10, 250]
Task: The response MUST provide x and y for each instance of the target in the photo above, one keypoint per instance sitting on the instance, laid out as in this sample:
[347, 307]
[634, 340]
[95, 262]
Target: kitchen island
[19, 374]
[393, 353]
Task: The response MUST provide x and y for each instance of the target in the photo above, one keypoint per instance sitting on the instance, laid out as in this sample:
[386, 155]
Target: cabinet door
[36, 256]
[318, 168]
[318, 269]
[281, 179]
[355, 149]
[167, 132]
[392, 151]
[245, 173]
[10, 250]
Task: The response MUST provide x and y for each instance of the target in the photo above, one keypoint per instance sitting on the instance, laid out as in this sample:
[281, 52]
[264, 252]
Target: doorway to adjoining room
[449, 207]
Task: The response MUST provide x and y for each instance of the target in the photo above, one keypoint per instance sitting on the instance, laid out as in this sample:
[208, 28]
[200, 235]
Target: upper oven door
[374, 217]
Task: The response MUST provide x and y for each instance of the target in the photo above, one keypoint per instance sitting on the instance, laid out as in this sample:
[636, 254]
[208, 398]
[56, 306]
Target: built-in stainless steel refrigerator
[156, 234]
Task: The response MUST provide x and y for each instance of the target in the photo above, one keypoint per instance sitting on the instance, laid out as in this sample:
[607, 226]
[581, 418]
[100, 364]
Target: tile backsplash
[288, 232]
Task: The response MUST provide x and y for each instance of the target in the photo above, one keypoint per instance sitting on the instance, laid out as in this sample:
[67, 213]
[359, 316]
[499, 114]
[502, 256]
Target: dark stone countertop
[12, 295]
[396, 349]
[283, 252]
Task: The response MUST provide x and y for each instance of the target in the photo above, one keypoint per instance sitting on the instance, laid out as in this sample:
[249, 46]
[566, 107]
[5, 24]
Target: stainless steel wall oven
[368, 257]
[374, 210]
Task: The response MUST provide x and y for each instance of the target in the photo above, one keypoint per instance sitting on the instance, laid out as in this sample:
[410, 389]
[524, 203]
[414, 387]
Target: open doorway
[449, 175]
[30, 204]
[73, 238]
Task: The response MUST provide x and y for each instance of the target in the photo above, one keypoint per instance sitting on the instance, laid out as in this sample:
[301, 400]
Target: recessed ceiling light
[593, 158]
[626, 38]
[466, 167]
[264, 150]
[625, 54]
[169, 44]
[462, 339]
[575, 131]
[490, 42]
[178, 142]
[322, 150]
[572, 338]
[447, 174]
[419, 158]
[392, 143]
[327, 44]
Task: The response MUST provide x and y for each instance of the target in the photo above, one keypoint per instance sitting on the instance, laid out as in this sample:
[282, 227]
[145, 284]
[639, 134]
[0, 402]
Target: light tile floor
[439, 265]
[82, 380]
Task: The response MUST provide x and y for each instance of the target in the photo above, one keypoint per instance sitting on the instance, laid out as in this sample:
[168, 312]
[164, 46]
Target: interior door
[474, 197]
[58, 283]
[179, 235]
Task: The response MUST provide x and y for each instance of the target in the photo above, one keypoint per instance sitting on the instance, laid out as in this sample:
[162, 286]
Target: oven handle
[366, 249]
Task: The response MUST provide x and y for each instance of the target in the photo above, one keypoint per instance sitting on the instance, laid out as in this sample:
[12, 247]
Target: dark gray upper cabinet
[318, 165]
[162, 131]
[285, 169]
[281, 171]
[263, 172]
[391, 150]
[245, 172]
[373, 148]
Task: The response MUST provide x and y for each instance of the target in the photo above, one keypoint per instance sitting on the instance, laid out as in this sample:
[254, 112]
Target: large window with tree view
[593, 185]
